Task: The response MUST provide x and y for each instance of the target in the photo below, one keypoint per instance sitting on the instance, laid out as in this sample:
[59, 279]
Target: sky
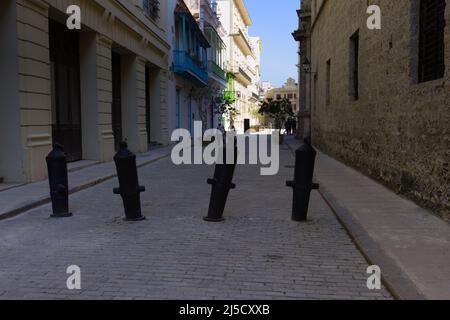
[274, 21]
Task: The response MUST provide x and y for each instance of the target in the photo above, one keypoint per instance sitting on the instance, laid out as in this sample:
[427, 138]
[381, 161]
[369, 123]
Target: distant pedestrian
[288, 127]
[294, 126]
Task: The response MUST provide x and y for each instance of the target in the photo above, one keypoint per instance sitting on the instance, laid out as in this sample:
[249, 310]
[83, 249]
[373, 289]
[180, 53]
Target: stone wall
[398, 132]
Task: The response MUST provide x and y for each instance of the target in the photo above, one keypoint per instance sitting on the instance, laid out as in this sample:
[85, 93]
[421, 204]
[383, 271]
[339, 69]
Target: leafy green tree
[227, 110]
[278, 111]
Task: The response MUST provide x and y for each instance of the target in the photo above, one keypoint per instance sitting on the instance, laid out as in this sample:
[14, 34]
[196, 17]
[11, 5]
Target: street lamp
[307, 67]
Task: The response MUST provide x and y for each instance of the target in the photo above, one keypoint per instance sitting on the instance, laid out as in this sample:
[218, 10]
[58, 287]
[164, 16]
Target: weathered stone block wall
[398, 132]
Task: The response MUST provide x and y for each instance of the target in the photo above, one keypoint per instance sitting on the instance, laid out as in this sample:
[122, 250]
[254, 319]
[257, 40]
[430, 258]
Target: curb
[393, 278]
[84, 186]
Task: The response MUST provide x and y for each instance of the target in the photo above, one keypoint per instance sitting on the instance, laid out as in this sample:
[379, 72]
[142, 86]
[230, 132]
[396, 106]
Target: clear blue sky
[274, 21]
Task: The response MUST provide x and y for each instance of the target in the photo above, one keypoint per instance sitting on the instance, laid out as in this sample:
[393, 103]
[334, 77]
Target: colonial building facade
[255, 92]
[189, 63]
[243, 61]
[198, 78]
[379, 99]
[288, 91]
[305, 77]
[86, 89]
[205, 11]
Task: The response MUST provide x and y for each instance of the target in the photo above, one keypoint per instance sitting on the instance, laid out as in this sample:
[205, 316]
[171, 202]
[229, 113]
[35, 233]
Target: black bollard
[58, 181]
[129, 189]
[221, 185]
[304, 170]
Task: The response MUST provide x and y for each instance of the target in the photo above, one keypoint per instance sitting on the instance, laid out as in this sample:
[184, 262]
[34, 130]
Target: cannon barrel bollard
[221, 185]
[129, 189]
[302, 184]
[58, 181]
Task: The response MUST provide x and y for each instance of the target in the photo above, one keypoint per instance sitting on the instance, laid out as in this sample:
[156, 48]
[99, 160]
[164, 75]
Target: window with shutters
[151, 8]
[431, 40]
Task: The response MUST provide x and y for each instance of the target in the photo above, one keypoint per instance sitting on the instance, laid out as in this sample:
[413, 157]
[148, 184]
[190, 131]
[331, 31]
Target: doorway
[116, 111]
[190, 114]
[246, 125]
[147, 105]
[178, 108]
[66, 96]
[212, 109]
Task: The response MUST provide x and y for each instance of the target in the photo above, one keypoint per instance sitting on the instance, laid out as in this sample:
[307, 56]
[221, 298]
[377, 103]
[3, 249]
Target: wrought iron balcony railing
[241, 74]
[229, 96]
[217, 70]
[242, 41]
[184, 65]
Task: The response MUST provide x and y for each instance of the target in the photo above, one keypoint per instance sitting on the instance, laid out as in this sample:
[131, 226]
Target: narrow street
[257, 253]
[94, 92]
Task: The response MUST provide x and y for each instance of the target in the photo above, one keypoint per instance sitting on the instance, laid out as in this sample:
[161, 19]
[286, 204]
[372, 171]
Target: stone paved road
[257, 253]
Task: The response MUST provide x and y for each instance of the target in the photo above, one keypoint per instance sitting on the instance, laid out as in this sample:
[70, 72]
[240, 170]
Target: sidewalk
[25, 197]
[410, 244]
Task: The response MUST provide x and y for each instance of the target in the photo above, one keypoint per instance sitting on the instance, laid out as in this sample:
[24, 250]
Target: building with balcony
[242, 74]
[230, 92]
[255, 92]
[243, 56]
[198, 88]
[189, 59]
[86, 89]
[205, 12]
[288, 91]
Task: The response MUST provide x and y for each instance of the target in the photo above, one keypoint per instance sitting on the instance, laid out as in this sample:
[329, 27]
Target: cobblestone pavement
[257, 253]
